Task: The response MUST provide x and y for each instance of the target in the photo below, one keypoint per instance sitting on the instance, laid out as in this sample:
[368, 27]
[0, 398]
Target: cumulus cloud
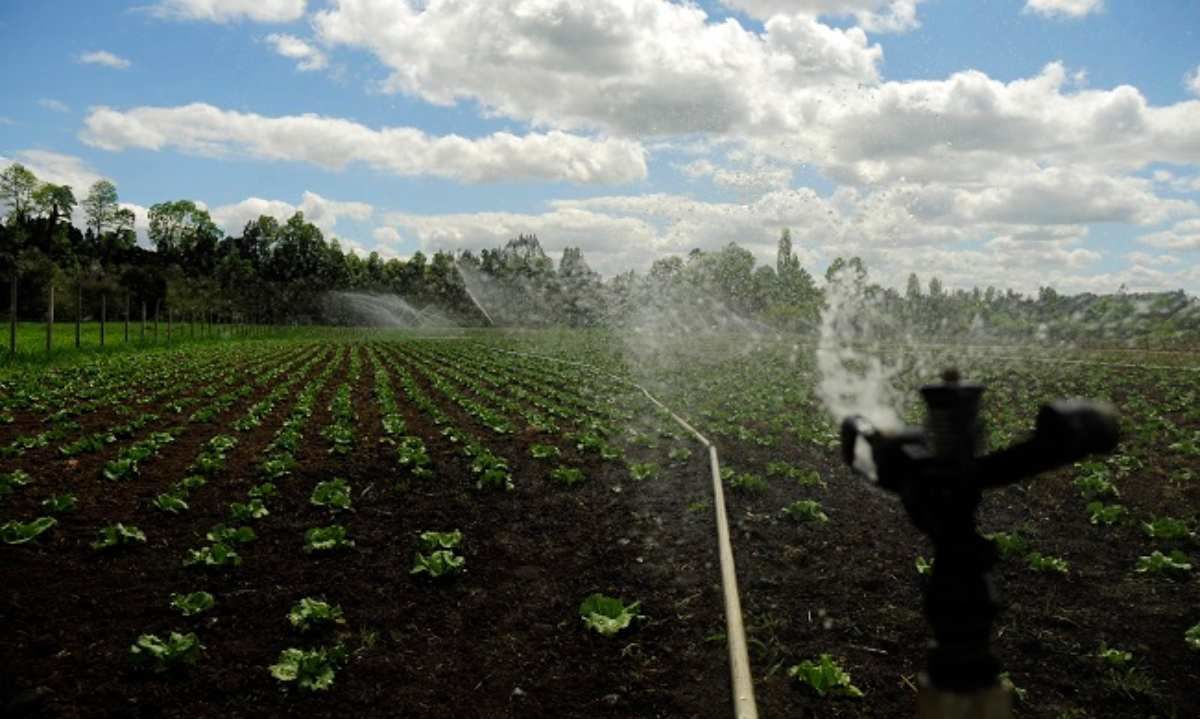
[322, 212]
[333, 143]
[1064, 8]
[641, 67]
[755, 179]
[871, 15]
[222, 11]
[106, 58]
[972, 128]
[1184, 235]
[306, 55]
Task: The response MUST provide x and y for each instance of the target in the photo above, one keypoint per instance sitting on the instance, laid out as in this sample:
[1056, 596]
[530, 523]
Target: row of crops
[349, 524]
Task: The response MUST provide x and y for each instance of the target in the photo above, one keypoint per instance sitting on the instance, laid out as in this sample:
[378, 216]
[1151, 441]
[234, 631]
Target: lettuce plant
[824, 677]
[1114, 657]
[334, 494]
[171, 503]
[567, 476]
[12, 480]
[1009, 545]
[1192, 637]
[59, 503]
[159, 655]
[1167, 528]
[607, 615]
[192, 603]
[323, 539]
[433, 541]
[641, 471]
[231, 535]
[1157, 562]
[1044, 563]
[1100, 513]
[311, 613]
[14, 532]
[806, 510]
[440, 563]
[544, 451]
[217, 554]
[245, 511]
[118, 535]
[924, 566]
[310, 669]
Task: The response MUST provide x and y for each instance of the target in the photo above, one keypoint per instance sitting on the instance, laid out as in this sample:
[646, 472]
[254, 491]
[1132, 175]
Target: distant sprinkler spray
[471, 294]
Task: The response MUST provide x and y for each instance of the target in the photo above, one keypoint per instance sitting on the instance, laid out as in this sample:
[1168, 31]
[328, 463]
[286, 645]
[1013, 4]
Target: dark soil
[505, 639]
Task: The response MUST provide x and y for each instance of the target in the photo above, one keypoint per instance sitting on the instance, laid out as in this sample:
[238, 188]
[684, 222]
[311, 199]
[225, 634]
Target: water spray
[939, 475]
[471, 294]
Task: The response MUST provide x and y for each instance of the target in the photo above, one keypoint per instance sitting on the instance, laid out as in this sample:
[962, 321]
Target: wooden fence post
[50, 321]
[12, 315]
[78, 309]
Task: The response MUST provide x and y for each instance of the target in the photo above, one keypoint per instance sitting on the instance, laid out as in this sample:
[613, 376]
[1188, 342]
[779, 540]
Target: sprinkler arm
[1066, 431]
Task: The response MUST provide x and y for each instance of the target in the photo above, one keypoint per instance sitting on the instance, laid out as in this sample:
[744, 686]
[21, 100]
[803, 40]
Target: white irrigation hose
[739, 658]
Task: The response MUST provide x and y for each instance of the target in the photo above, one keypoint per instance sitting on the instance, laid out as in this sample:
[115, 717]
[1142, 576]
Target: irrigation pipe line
[735, 631]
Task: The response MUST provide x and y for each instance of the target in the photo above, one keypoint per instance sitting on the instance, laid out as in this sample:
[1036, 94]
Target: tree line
[277, 272]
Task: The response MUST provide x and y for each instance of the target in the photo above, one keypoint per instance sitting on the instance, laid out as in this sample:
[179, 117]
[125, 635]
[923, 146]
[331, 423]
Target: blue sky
[1070, 152]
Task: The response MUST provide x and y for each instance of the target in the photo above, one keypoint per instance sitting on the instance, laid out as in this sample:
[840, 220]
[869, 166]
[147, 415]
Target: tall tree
[100, 207]
[180, 227]
[17, 186]
[55, 202]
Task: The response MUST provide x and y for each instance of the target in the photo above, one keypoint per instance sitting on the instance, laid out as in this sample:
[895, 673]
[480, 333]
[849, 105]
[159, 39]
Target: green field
[271, 471]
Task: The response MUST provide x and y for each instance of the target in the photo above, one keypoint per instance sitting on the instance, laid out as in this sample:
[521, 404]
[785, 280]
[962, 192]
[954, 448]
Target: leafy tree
[100, 206]
[17, 187]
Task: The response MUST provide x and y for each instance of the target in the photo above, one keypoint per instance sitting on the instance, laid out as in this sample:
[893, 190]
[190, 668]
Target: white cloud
[1184, 235]
[871, 15]
[222, 11]
[333, 143]
[59, 169]
[307, 56]
[1192, 81]
[322, 212]
[755, 179]
[1146, 259]
[386, 236]
[970, 128]
[642, 67]
[106, 58]
[1064, 8]
[51, 104]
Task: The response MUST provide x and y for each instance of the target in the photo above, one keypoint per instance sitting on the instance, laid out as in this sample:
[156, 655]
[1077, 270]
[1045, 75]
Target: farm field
[415, 522]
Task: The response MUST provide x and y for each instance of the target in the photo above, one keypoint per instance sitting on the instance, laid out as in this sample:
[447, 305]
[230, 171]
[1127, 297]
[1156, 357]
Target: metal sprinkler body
[939, 474]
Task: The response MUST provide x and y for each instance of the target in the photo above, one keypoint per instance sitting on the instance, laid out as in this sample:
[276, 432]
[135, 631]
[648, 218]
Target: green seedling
[324, 539]
[441, 563]
[824, 677]
[1157, 562]
[607, 615]
[118, 535]
[14, 532]
[806, 510]
[334, 494]
[311, 613]
[192, 603]
[159, 655]
[310, 669]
